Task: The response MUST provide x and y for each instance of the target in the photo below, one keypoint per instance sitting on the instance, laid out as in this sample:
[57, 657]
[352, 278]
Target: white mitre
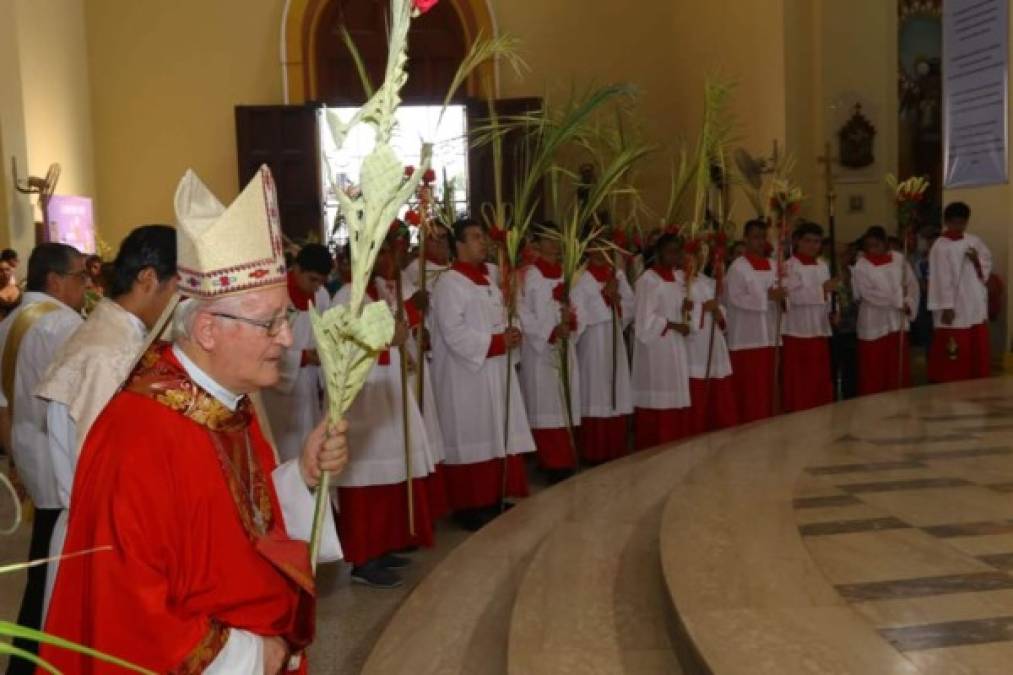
[221, 250]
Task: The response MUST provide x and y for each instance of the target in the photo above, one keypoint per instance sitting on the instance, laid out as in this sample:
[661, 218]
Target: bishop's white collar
[205, 382]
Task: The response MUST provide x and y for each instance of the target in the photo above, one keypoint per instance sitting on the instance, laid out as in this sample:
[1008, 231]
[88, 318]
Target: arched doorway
[318, 67]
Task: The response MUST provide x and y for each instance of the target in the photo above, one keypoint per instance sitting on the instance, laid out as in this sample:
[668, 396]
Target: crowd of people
[490, 375]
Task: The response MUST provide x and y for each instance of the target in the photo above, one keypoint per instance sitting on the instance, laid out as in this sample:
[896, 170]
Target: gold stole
[24, 321]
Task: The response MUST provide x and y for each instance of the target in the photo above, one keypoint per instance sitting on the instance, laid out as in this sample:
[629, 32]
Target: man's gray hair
[186, 313]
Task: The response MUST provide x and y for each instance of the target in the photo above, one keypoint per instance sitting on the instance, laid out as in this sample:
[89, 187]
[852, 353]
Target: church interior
[873, 534]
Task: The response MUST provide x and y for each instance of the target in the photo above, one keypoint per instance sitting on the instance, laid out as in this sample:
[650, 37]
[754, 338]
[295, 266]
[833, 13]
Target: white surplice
[704, 338]
[541, 355]
[38, 348]
[954, 282]
[752, 317]
[601, 339]
[433, 273]
[808, 314]
[376, 428]
[878, 289]
[660, 357]
[293, 405]
[470, 385]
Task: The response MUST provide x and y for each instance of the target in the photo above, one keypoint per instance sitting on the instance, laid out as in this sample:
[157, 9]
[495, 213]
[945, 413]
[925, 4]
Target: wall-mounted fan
[43, 187]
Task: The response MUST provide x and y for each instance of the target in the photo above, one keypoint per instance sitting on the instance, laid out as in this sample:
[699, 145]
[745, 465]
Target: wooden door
[286, 138]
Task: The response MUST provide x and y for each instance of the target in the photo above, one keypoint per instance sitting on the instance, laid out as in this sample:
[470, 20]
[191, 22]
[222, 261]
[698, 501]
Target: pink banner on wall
[71, 222]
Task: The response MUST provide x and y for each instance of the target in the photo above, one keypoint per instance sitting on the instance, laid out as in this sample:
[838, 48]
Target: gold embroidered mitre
[222, 250]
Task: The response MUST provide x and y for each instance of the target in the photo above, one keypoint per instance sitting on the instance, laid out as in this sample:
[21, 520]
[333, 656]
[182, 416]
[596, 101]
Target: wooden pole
[420, 386]
[405, 418]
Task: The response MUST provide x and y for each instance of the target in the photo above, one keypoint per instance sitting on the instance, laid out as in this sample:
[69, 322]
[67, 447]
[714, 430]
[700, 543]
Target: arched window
[436, 45]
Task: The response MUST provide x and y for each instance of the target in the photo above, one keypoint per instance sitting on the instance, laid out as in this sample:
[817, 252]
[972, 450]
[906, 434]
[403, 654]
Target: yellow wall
[15, 215]
[55, 91]
[45, 106]
[166, 76]
[840, 52]
[165, 79]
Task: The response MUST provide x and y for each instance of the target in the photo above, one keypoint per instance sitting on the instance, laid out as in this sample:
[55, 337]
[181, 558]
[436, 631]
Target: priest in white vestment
[30, 338]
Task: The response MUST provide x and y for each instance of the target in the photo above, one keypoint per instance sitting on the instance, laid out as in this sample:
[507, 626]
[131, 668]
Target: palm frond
[484, 49]
[360, 66]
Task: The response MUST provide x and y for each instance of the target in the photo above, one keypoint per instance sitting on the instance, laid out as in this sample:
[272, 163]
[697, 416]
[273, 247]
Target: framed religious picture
[857, 141]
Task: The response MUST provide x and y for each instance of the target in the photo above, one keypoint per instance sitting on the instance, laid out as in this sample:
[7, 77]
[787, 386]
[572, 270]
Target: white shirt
[808, 312]
[954, 282]
[752, 317]
[29, 436]
[881, 295]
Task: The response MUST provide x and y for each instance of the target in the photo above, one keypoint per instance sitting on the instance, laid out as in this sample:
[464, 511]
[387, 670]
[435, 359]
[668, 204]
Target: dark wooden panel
[286, 139]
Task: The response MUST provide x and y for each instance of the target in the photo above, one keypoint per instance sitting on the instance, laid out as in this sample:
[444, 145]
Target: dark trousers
[30, 615]
[844, 360]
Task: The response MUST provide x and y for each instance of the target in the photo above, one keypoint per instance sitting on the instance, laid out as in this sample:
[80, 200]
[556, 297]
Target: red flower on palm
[424, 5]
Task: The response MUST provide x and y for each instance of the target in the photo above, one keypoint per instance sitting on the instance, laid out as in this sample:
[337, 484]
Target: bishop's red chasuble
[180, 488]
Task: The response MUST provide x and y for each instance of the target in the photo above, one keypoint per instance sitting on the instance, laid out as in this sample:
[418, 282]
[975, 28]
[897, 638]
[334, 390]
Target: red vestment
[805, 373]
[714, 405]
[604, 438]
[753, 377]
[879, 364]
[181, 489]
[959, 353]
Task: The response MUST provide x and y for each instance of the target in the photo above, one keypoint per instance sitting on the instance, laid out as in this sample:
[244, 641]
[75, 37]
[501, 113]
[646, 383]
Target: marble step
[593, 600]
[457, 619]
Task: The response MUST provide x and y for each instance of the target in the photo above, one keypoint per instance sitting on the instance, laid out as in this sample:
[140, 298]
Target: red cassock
[879, 364]
[714, 404]
[805, 373]
[753, 376]
[198, 540]
[959, 353]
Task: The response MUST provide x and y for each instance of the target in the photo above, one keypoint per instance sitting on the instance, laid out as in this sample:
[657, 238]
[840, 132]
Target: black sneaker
[471, 520]
[554, 476]
[394, 562]
[375, 575]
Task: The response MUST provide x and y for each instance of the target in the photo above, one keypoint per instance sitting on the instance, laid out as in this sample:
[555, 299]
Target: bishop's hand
[275, 655]
[325, 449]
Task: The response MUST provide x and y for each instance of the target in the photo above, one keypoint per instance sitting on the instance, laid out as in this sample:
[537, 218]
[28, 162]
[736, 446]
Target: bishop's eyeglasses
[271, 326]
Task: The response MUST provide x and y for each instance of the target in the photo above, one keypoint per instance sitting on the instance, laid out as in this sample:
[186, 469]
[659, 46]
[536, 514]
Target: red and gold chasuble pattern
[180, 487]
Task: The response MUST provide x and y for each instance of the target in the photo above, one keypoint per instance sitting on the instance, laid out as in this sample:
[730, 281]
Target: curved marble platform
[871, 536]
